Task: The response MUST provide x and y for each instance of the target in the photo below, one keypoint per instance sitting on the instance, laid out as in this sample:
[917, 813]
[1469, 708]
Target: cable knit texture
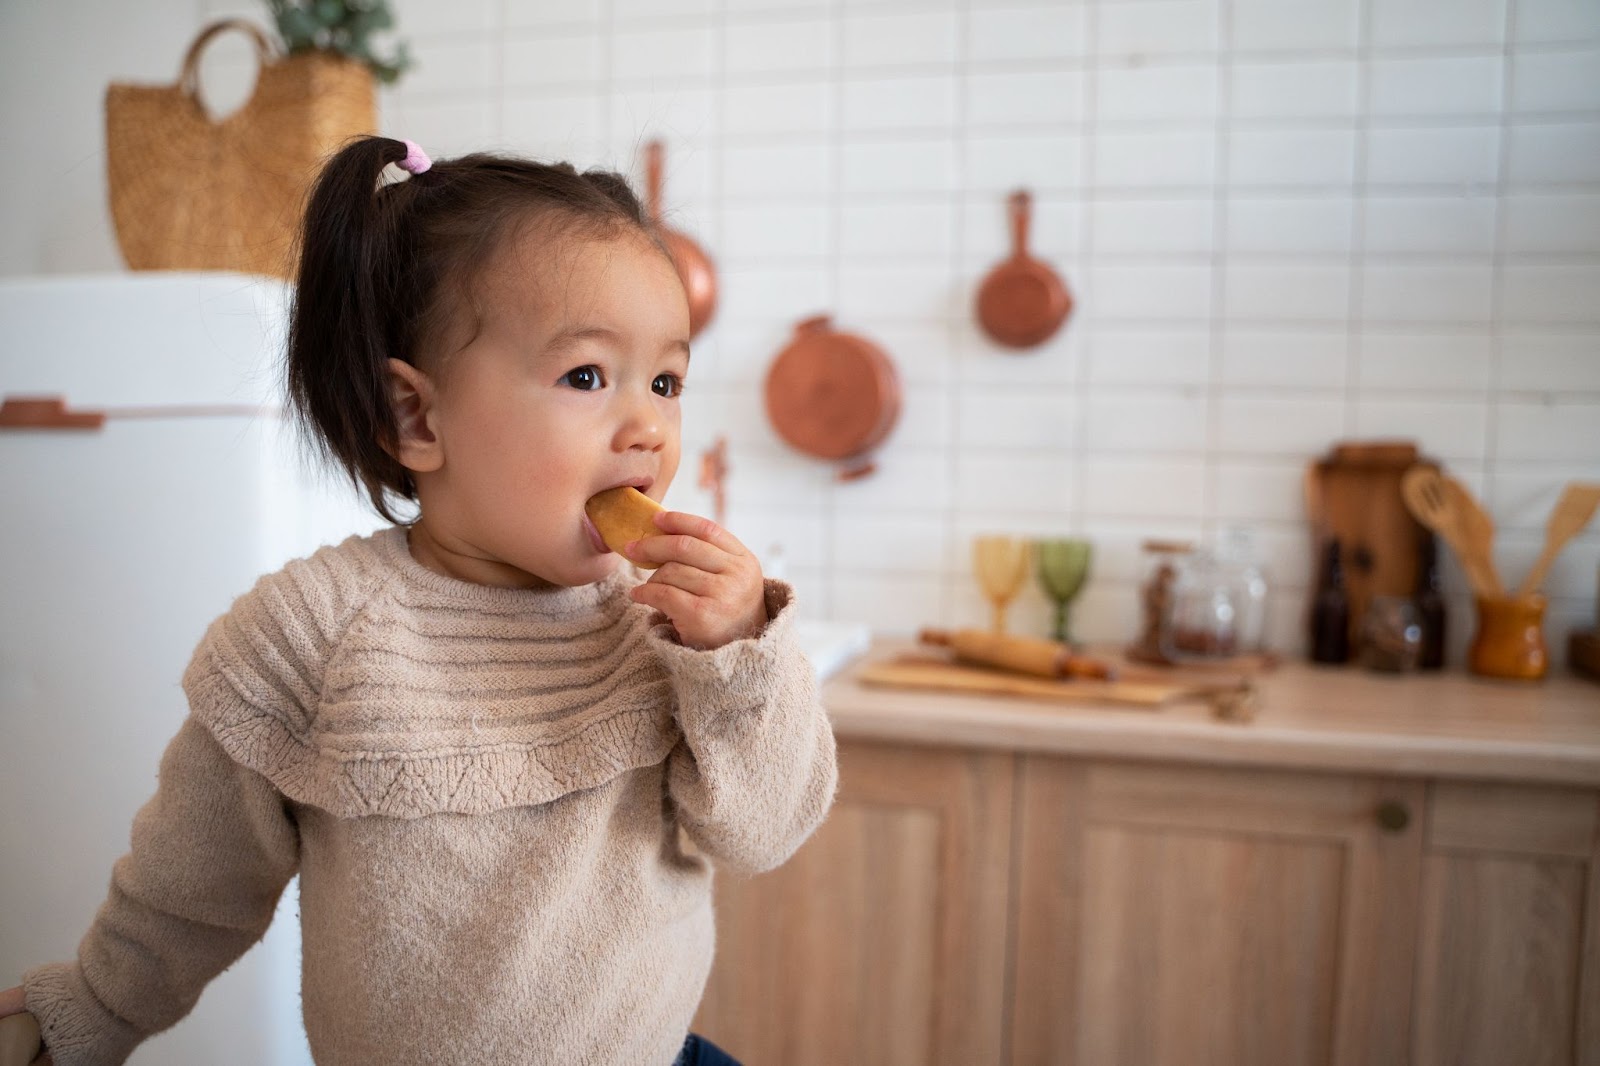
[484, 792]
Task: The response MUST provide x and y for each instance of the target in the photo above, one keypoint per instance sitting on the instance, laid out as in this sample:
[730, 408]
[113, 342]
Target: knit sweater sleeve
[211, 853]
[756, 771]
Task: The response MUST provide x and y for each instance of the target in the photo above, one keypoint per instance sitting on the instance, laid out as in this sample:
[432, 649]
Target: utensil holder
[1509, 642]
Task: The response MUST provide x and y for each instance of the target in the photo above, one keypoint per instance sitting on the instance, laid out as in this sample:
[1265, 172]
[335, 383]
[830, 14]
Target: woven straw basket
[189, 193]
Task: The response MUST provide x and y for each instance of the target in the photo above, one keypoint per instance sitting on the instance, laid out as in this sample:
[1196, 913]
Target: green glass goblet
[1063, 569]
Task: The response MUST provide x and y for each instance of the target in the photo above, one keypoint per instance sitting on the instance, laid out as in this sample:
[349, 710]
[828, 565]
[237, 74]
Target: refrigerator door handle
[50, 412]
[46, 412]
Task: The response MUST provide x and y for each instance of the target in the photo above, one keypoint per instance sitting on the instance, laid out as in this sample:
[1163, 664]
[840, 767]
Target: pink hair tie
[416, 160]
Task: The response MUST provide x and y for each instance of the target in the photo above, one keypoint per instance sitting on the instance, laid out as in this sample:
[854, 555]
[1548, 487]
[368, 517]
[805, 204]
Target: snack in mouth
[623, 514]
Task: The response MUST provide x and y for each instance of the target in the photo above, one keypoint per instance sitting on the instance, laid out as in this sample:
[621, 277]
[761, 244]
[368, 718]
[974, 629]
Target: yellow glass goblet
[1001, 564]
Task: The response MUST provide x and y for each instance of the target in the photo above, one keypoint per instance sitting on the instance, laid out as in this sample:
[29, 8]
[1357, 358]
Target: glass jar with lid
[1218, 604]
[1237, 555]
[1204, 619]
[1160, 567]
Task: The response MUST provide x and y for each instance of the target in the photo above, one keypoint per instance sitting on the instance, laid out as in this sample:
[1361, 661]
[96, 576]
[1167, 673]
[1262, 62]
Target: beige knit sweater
[482, 791]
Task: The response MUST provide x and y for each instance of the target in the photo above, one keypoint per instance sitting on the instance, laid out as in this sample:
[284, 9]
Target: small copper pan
[833, 395]
[1022, 302]
[695, 269]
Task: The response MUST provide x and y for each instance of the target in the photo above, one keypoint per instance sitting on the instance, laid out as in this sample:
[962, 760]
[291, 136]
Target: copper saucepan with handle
[1022, 302]
[694, 266]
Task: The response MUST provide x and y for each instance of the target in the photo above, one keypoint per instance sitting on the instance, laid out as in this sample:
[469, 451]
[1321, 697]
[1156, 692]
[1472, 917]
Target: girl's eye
[583, 378]
[667, 385]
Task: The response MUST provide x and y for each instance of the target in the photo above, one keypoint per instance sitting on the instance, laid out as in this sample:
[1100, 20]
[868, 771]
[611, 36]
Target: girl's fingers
[690, 579]
[670, 600]
[700, 528]
[678, 548]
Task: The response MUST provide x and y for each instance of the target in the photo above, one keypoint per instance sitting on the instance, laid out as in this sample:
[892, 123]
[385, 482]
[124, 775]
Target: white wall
[1286, 222]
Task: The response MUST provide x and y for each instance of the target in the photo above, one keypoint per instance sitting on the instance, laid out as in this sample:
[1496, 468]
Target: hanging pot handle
[1021, 209]
[654, 161]
[816, 324]
[189, 76]
[856, 469]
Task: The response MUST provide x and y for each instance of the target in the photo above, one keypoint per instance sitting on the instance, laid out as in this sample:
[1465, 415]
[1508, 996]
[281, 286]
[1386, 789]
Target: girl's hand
[708, 584]
[12, 1002]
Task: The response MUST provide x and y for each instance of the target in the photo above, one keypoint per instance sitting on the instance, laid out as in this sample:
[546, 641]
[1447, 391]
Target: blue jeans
[698, 1051]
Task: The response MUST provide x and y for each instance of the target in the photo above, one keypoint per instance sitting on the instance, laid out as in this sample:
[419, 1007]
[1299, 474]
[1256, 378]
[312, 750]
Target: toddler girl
[479, 736]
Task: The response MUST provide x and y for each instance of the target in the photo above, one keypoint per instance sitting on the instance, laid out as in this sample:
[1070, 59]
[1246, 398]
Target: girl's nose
[641, 425]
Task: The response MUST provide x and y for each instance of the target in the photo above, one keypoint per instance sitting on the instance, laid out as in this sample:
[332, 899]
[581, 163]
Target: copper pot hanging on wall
[1022, 302]
[694, 266]
[833, 395]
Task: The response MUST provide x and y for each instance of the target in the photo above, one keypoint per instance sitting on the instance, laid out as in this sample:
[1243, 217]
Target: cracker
[624, 514]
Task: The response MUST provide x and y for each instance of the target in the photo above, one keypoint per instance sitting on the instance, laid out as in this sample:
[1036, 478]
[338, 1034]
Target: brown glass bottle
[1430, 605]
[1330, 611]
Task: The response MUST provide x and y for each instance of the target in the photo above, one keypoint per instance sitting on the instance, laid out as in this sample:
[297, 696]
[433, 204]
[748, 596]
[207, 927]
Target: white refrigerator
[118, 546]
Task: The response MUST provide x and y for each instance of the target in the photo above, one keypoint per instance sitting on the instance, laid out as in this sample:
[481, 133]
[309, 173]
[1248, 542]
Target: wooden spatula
[1435, 504]
[1573, 511]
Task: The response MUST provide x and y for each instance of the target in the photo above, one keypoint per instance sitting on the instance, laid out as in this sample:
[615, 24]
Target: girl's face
[569, 387]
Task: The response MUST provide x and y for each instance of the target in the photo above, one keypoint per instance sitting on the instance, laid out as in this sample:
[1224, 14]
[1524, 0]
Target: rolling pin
[19, 1039]
[1023, 655]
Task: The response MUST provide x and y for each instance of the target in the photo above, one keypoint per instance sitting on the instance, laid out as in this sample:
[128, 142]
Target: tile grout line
[714, 219]
[953, 553]
[1497, 267]
[1210, 485]
[607, 79]
[498, 107]
[830, 488]
[1355, 303]
[1077, 509]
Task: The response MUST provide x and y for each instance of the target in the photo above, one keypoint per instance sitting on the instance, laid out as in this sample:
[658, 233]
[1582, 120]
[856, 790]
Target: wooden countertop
[1318, 718]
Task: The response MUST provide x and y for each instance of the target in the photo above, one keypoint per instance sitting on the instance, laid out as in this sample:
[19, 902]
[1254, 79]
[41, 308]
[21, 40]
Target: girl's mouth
[594, 536]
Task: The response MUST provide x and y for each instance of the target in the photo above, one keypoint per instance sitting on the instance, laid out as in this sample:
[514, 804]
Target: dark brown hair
[383, 267]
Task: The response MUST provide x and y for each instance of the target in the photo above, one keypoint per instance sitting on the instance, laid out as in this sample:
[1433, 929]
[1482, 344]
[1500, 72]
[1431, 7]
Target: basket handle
[189, 78]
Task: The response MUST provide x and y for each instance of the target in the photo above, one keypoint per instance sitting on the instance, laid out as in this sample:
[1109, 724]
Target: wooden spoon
[1437, 506]
[1477, 530]
[1573, 511]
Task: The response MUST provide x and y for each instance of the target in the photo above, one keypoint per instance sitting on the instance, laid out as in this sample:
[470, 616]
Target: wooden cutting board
[1353, 494]
[930, 674]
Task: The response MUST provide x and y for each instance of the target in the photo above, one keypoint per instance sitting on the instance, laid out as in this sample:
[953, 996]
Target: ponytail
[339, 340]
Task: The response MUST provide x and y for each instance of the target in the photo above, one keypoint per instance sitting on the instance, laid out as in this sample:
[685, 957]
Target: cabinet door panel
[1505, 950]
[1208, 947]
[883, 940]
[1193, 915]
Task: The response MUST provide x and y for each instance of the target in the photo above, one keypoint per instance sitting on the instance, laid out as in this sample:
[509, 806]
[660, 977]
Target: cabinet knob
[1393, 816]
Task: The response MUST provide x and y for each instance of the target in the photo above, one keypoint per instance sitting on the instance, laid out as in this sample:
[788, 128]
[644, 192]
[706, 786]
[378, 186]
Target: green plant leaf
[298, 27]
[342, 26]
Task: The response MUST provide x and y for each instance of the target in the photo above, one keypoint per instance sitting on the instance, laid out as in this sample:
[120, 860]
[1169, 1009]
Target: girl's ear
[411, 394]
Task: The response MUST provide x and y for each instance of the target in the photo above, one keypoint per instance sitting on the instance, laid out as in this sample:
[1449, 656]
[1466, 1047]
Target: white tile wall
[1285, 221]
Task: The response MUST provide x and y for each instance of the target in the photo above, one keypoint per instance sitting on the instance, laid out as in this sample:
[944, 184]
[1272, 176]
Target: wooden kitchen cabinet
[1197, 915]
[883, 940]
[1370, 874]
[1508, 963]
